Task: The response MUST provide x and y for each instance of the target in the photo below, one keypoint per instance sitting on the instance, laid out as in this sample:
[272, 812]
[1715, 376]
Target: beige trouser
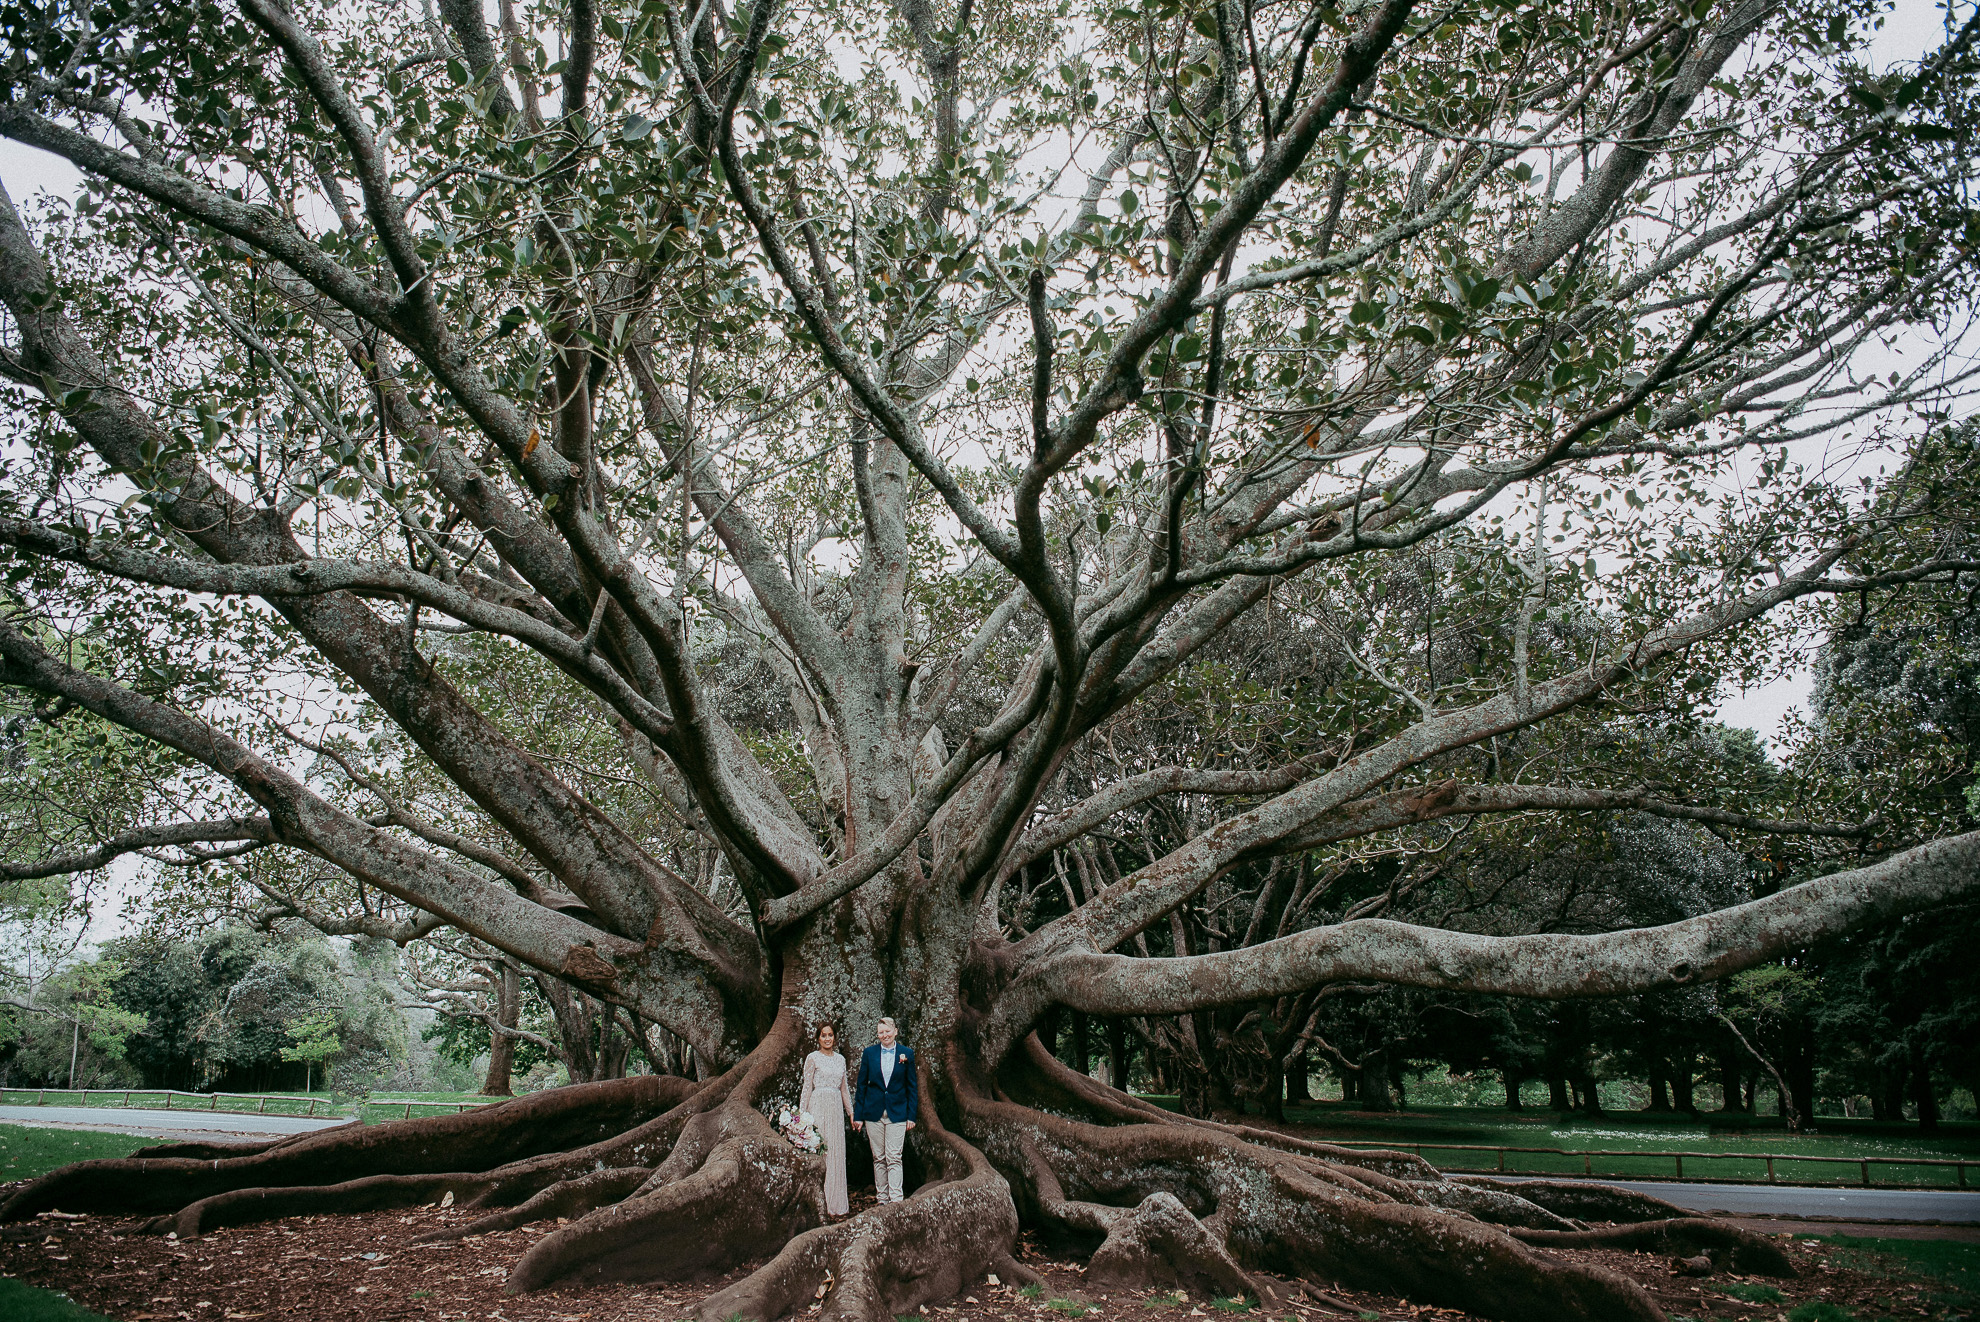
[885, 1137]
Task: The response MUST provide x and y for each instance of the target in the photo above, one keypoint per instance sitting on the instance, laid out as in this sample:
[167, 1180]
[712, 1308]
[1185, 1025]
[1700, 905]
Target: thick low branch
[1550, 966]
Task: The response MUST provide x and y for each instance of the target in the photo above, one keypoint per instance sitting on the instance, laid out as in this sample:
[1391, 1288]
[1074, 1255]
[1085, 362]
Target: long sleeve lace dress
[824, 1076]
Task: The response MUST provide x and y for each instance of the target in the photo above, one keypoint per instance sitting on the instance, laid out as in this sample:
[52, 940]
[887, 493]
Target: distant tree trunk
[1048, 1029]
[1729, 1082]
[1683, 1096]
[1375, 1094]
[1512, 1091]
[1590, 1098]
[1887, 1101]
[1921, 1091]
[1557, 1095]
[501, 1047]
[1660, 1097]
[1800, 1069]
[1350, 1085]
[1299, 1089]
[613, 1052]
[1117, 1053]
[1081, 1047]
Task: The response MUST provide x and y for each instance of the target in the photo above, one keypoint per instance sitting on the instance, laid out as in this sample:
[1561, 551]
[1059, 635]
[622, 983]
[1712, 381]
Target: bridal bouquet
[800, 1129]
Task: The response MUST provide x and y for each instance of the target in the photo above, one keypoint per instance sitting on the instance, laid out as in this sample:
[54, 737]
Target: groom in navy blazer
[886, 1099]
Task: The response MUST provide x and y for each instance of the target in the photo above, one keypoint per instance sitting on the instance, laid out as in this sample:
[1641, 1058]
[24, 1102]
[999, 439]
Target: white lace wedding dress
[825, 1076]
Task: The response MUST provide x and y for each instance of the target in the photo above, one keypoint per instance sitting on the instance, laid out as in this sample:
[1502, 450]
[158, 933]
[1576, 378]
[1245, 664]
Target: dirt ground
[361, 1269]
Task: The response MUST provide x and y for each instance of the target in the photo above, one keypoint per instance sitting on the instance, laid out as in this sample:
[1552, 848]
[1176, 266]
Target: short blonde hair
[888, 1021]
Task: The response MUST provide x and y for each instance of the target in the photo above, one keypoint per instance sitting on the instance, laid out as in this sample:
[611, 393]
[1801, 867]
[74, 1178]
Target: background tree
[865, 443]
[314, 1040]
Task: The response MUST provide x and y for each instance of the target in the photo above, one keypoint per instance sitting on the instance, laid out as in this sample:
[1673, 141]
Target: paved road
[164, 1124]
[1798, 1200]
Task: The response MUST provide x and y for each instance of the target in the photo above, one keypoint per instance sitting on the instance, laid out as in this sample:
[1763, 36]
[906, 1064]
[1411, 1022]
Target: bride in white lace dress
[829, 1101]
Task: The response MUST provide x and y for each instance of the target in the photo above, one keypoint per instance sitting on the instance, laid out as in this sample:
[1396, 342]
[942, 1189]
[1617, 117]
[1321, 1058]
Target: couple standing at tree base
[882, 1100]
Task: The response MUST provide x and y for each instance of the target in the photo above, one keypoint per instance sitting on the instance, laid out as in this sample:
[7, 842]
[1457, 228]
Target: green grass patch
[1168, 1299]
[1820, 1310]
[1947, 1268]
[24, 1303]
[1752, 1292]
[1032, 1291]
[413, 1105]
[1235, 1304]
[29, 1150]
[1071, 1307]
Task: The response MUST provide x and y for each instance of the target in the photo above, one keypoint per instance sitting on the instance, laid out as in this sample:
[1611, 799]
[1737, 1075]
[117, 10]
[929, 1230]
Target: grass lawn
[24, 1303]
[393, 1105]
[1443, 1131]
[1946, 1273]
[27, 1151]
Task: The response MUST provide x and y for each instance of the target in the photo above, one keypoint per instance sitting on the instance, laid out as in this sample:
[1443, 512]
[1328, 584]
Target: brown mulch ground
[361, 1269]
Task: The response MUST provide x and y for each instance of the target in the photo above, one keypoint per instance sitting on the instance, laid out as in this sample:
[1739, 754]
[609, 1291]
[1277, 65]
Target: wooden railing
[1588, 1156]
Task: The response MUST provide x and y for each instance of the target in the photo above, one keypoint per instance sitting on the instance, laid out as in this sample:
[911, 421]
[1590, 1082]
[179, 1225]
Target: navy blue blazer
[893, 1099]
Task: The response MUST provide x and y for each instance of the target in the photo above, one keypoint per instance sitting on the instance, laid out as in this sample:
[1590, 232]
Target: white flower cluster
[800, 1129]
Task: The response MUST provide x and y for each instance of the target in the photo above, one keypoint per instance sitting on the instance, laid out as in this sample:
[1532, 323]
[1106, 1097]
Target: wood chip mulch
[360, 1268]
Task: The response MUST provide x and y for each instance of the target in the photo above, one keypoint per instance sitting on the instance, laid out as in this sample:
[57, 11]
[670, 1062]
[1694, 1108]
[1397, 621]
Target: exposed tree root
[955, 1229]
[1266, 1209]
[201, 1151]
[1491, 1205]
[751, 1194]
[566, 1198]
[1730, 1247]
[547, 1122]
[1584, 1201]
[370, 1193]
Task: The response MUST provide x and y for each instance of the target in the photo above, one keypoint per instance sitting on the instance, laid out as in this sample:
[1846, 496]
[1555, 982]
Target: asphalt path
[165, 1124]
[1801, 1200]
